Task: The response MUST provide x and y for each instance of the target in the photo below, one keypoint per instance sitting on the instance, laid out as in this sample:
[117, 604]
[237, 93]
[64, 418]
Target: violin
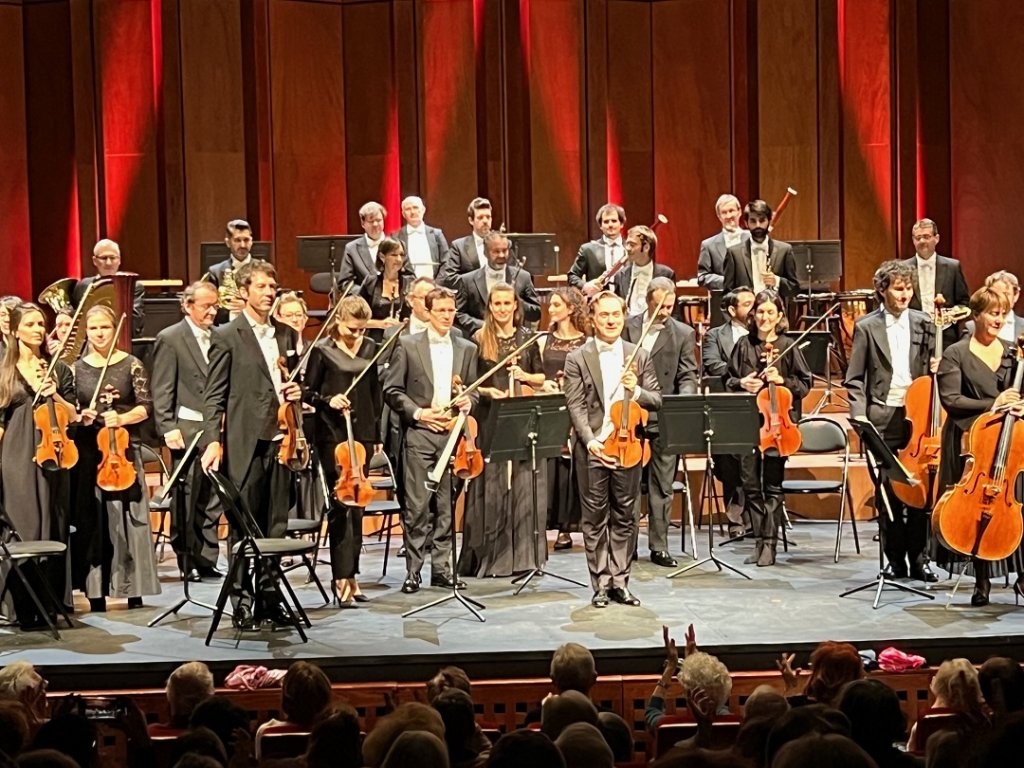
[469, 462]
[55, 449]
[981, 516]
[925, 416]
[115, 471]
[294, 451]
[353, 488]
[625, 445]
[778, 432]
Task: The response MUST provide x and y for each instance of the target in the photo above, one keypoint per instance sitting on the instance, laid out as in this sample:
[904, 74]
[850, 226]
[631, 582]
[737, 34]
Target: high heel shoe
[1018, 589]
[981, 589]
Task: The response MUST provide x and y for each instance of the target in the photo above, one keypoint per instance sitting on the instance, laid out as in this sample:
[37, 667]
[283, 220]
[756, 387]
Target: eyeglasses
[292, 315]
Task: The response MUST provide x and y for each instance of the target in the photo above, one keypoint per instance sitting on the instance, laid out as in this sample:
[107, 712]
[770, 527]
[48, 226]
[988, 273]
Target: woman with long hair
[111, 548]
[36, 499]
[385, 289]
[500, 526]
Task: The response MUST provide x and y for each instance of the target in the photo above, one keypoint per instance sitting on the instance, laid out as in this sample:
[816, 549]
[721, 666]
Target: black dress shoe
[623, 596]
[981, 589]
[411, 584]
[663, 559]
[361, 598]
[444, 580]
[242, 618]
[923, 573]
[896, 571]
[192, 575]
[600, 599]
[278, 618]
[209, 572]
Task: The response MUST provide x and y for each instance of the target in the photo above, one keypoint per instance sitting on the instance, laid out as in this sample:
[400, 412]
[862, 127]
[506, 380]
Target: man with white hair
[425, 246]
[106, 257]
[188, 686]
[711, 261]
[20, 681]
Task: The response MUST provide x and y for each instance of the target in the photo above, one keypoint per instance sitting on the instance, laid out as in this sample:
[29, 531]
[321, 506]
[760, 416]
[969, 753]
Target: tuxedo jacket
[715, 351]
[711, 261]
[239, 387]
[138, 300]
[462, 258]
[435, 241]
[589, 263]
[178, 381]
[738, 267]
[623, 283]
[869, 372]
[673, 358]
[949, 281]
[584, 387]
[356, 262]
[471, 298]
[409, 383]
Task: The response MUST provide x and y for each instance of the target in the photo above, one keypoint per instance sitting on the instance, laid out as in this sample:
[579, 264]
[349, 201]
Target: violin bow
[106, 363]
[643, 335]
[496, 367]
[373, 360]
[319, 334]
[796, 342]
[60, 350]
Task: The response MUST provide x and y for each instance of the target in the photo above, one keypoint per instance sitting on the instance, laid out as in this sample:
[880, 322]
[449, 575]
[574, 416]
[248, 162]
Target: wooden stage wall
[155, 121]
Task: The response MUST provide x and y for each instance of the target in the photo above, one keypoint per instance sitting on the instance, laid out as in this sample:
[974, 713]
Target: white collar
[236, 265]
[616, 241]
[196, 330]
[420, 230]
[435, 338]
[604, 346]
[890, 319]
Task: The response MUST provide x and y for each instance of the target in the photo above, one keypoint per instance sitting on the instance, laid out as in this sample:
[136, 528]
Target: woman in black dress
[567, 312]
[35, 499]
[333, 364]
[976, 375]
[500, 530]
[385, 289]
[111, 548]
[762, 475]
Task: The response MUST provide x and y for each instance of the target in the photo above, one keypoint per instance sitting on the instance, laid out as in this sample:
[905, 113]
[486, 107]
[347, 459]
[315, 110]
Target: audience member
[411, 716]
[801, 721]
[461, 734]
[21, 681]
[448, 677]
[1002, 684]
[72, 734]
[957, 691]
[192, 760]
[199, 741]
[305, 694]
[45, 758]
[525, 748]
[583, 746]
[752, 739]
[573, 669]
[765, 701]
[618, 735]
[336, 741]
[14, 732]
[700, 758]
[187, 686]
[876, 721]
[417, 749]
[1002, 747]
[223, 717]
[706, 684]
[833, 665]
[561, 710]
[823, 750]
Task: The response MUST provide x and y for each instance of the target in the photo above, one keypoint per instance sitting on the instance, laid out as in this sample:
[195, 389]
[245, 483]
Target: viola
[981, 516]
[469, 461]
[55, 450]
[625, 444]
[353, 488]
[294, 451]
[778, 432]
[115, 471]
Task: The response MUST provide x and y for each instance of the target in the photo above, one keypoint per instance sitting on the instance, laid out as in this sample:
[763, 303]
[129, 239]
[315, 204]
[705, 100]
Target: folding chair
[162, 505]
[386, 509]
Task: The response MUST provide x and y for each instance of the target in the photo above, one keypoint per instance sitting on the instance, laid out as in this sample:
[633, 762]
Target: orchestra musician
[715, 350]
[35, 499]
[1008, 285]
[631, 281]
[360, 256]
[106, 257]
[333, 365]
[243, 393]
[384, 290]
[224, 274]
[467, 253]
[425, 245]
[181, 364]
[111, 546]
[892, 346]
[761, 261]
[937, 279]
[597, 256]
[976, 375]
[61, 328]
[475, 287]
[711, 260]
[595, 379]
[762, 475]
[671, 346]
[499, 525]
[417, 386]
[7, 303]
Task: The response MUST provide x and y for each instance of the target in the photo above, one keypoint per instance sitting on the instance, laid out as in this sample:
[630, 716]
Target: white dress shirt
[926, 282]
[202, 338]
[612, 251]
[1008, 331]
[373, 245]
[271, 352]
[442, 361]
[493, 276]
[479, 241]
[416, 325]
[739, 330]
[640, 278]
[419, 252]
[611, 357]
[758, 264]
[735, 237]
[652, 336]
[897, 331]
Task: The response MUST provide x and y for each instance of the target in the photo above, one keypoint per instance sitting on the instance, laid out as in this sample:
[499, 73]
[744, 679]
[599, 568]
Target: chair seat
[811, 486]
[677, 486]
[382, 507]
[23, 550]
[280, 547]
[302, 525]
[157, 504]
[382, 483]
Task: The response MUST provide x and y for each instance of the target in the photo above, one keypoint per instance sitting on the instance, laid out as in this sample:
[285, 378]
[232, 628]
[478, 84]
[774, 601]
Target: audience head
[187, 686]
[1002, 685]
[956, 686]
[456, 710]
[583, 746]
[573, 669]
[417, 749]
[222, 716]
[23, 682]
[801, 721]
[335, 741]
[701, 671]
[72, 734]
[765, 701]
[192, 760]
[1002, 747]
[563, 709]
[752, 738]
[305, 693]
[616, 732]
[14, 731]
[873, 709]
[448, 677]
[411, 716]
[833, 665]
[700, 758]
[525, 748]
[45, 758]
[821, 750]
[200, 742]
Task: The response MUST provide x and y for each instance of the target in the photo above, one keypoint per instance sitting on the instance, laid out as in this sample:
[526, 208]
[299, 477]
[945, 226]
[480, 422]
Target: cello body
[921, 454]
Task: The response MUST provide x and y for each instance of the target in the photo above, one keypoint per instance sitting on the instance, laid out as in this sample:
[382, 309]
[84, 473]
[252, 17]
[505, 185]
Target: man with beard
[474, 288]
[761, 262]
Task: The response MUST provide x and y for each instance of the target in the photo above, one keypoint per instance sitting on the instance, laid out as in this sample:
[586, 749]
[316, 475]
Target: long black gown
[330, 372]
[562, 499]
[499, 536]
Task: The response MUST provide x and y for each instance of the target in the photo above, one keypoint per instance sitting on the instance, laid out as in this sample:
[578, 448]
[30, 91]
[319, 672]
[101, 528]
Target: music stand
[714, 423]
[217, 251]
[528, 429]
[180, 477]
[322, 253]
[535, 252]
[882, 464]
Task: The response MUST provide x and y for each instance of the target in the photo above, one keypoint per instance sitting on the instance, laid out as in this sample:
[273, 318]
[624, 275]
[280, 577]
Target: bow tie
[263, 331]
[204, 335]
[496, 274]
[436, 339]
[603, 346]
[417, 230]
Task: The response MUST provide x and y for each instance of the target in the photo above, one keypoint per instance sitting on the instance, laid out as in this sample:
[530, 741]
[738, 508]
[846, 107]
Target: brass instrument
[57, 295]
[116, 292]
[227, 289]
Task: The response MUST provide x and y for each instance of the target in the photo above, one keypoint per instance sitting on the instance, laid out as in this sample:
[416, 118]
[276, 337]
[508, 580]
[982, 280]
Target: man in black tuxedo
[418, 385]
[876, 380]
[238, 239]
[467, 253]
[671, 347]
[475, 287]
[595, 378]
[761, 261]
[936, 279]
[244, 390]
[632, 281]
[711, 260]
[597, 256]
[180, 370]
[106, 257]
[360, 256]
[425, 246]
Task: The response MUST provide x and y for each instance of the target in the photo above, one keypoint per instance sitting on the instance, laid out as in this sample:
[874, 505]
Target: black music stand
[536, 252]
[180, 477]
[322, 253]
[217, 251]
[712, 423]
[528, 429]
[882, 464]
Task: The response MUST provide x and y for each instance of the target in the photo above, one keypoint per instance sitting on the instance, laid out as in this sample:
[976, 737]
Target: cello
[981, 515]
[778, 432]
[920, 456]
[624, 445]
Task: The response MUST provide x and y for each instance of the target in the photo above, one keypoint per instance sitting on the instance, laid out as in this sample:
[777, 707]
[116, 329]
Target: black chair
[265, 554]
[160, 505]
[385, 509]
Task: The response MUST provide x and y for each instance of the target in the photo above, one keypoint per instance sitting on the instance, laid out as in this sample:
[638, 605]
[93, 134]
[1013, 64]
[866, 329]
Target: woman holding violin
[333, 365]
[567, 313]
[111, 548]
[976, 376]
[765, 364]
[35, 486]
[385, 289]
[499, 531]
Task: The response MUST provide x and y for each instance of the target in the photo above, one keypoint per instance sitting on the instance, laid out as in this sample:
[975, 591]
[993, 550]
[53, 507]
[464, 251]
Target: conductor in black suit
[671, 346]
[425, 246]
[180, 370]
[360, 256]
[475, 287]
[597, 256]
[632, 281]
[761, 261]
[936, 279]
[106, 257]
[711, 260]
[244, 390]
[467, 253]
[417, 386]
[238, 239]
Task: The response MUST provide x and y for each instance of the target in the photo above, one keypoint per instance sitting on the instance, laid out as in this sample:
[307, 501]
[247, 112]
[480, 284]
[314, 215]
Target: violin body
[294, 451]
[469, 462]
[778, 432]
[625, 444]
[55, 450]
[353, 489]
[920, 456]
[115, 472]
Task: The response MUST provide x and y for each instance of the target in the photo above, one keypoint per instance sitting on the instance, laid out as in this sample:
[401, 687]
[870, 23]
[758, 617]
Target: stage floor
[791, 606]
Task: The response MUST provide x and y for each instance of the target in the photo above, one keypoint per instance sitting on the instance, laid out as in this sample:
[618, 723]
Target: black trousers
[762, 491]
[906, 535]
[345, 524]
[661, 473]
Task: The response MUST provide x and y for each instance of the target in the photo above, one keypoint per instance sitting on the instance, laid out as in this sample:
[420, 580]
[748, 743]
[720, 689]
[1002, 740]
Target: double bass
[774, 402]
[981, 515]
